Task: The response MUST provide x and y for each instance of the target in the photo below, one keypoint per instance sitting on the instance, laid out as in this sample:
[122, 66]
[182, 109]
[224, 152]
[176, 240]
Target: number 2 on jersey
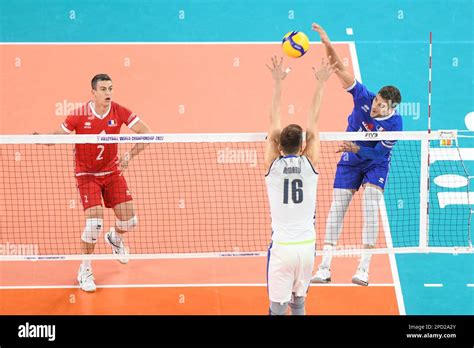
[296, 191]
[99, 156]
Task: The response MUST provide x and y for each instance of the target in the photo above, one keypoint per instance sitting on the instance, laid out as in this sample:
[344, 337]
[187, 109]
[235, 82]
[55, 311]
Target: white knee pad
[92, 230]
[127, 225]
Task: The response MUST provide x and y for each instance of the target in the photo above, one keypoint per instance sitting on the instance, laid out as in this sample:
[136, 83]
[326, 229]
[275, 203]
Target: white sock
[327, 257]
[86, 264]
[365, 262]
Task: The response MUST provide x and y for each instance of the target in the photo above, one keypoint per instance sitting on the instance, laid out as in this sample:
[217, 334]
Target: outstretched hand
[348, 146]
[322, 33]
[325, 71]
[276, 69]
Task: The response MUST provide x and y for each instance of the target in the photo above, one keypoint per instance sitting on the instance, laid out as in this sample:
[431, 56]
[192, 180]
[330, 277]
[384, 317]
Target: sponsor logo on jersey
[381, 180]
[365, 108]
[380, 129]
[112, 123]
[87, 125]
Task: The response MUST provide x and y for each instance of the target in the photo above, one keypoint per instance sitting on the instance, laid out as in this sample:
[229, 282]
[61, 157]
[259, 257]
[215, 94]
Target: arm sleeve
[69, 124]
[128, 117]
[379, 151]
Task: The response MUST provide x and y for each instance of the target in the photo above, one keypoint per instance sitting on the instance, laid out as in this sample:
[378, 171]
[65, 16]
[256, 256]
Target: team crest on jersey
[112, 123]
[87, 125]
[368, 127]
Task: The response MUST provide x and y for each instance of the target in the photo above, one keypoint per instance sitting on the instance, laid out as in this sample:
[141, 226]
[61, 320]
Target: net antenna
[425, 173]
[446, 138]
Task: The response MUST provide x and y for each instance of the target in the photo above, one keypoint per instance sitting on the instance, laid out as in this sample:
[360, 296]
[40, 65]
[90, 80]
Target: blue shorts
[352, 177]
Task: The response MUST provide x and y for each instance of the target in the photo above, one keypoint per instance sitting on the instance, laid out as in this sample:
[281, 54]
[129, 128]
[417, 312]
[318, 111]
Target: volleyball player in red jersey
[99, 172]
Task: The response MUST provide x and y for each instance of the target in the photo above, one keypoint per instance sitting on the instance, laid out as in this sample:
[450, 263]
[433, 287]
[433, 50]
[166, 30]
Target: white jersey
[291, 185]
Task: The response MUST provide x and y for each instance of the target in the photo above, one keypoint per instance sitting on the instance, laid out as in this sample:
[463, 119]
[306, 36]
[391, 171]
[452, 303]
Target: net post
[424, 189]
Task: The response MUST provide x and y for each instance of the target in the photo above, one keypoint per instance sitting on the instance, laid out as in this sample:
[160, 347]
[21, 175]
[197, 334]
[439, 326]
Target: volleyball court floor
[223, 285]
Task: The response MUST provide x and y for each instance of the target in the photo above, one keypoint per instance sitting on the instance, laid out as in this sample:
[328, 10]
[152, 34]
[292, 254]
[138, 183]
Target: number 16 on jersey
[296, 191]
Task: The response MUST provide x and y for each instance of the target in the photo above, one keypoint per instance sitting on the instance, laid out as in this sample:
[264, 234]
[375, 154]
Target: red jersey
[97, 159]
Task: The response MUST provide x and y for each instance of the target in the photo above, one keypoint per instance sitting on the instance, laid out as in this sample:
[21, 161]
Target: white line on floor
[118, 286]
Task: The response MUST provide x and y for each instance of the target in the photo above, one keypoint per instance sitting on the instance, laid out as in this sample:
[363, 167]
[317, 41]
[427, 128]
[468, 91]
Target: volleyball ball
[295, 44]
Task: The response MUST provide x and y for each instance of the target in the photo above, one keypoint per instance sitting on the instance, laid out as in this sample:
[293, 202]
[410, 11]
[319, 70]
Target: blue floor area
[453, 271]
[392, 45]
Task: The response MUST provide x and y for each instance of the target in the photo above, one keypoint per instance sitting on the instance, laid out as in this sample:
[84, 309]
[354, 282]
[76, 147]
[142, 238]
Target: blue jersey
[361, 121]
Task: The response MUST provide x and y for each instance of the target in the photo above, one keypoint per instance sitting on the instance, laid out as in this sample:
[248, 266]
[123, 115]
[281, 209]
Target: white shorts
[290, 268]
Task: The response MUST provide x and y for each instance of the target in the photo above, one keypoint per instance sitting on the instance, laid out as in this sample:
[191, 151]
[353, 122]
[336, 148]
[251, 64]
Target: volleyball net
[204, 195]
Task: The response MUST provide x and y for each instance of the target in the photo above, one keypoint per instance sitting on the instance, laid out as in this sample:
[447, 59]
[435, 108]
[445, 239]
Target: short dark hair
[291, 139]
[99, 77]
[392, 95]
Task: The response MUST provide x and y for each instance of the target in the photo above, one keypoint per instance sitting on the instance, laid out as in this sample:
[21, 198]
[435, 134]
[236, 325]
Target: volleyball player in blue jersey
[363, 163]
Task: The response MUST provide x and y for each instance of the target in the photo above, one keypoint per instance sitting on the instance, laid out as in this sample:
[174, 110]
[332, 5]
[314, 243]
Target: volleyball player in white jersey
[291, 184]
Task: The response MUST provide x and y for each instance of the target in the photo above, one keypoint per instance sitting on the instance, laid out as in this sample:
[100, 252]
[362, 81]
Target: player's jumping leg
[126, 221]
[339, 205]
[370, 207]
[92, 230]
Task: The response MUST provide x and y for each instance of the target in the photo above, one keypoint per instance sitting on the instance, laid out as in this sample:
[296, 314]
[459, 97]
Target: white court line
[355, 61]
[383, 208]
[163, 43]
[391, 258]
[433, 285]
[132, 286]
[470, 285]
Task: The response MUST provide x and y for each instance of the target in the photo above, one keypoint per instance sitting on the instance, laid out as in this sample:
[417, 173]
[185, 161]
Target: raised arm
[273, 137]
[312, 148]
[346, 78]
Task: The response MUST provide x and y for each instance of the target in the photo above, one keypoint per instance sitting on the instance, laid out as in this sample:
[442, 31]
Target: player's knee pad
[127, 225]
[92, 230]
[297, 305]
[277, 308]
